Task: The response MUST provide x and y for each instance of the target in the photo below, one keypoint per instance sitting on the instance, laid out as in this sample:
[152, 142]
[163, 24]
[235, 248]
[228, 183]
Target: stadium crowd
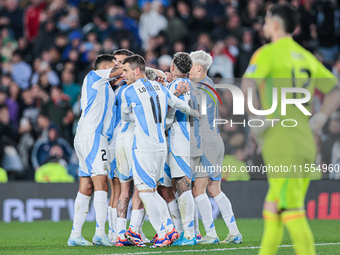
[47, 48]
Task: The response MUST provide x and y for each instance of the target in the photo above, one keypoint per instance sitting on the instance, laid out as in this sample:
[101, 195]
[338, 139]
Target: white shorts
[181, 166]
[112, 159]
[212, 160]
[91, 150]
[124, 143]
[147, 168]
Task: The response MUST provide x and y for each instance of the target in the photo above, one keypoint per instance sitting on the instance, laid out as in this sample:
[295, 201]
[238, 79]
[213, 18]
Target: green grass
[45, 237]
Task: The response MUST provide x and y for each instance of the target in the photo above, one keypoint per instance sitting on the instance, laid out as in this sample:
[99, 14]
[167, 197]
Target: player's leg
[145, 178]
[126, 189]
[166, 191]
[294, 217]
[82, 201]
[204, 206]
[225, 207]
[101, 189]
[112, 209]
[273, 227]
[81, 208]
[97, 159]
[181, 171]
[137, 213]
[109, 210]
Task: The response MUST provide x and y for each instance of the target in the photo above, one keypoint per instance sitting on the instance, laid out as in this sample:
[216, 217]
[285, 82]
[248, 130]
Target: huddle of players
[142, 129]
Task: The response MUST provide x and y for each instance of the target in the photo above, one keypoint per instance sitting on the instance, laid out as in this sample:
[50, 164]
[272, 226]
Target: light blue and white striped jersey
[207, 121]
[184, 134]
[98, 104]
[149, 102]
[121, 125]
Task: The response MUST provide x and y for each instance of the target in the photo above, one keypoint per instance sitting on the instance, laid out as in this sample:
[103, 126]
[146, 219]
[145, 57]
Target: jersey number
[158, 119]
[104, 155]
[305, 85]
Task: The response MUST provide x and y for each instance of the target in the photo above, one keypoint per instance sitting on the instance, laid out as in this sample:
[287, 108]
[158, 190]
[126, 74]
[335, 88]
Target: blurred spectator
[102, 27]
[12, 104]
[43, 122]
[52, 148]
[247, 48]
[326, 31]
[201, 23]
[27, 137]
[46, 37]
[69, 86]
[8, 45]
[151, 23]
[11, 16]
[27, 106]
[21, 71]
[250, 15]
[59, 111]
[222, 61]
[44, 75]
[176, 29]
[25, 50]
[32, 17]
[9, 157]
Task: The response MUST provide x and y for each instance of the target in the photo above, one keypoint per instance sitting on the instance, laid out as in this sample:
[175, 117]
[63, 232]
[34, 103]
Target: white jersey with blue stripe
[121, 125]
[208, 131]
[149, 101]
[184, 134]
[98, 104]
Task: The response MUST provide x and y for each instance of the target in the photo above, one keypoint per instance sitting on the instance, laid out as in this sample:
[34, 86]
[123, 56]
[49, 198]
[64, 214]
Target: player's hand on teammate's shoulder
[183, 87]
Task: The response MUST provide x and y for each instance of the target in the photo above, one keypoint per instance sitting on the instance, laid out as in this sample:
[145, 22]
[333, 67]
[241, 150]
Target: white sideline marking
[218, 249]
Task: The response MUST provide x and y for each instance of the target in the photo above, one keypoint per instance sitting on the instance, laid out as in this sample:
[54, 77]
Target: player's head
[151, 74]
[201, 62]
[181, 64]
[121, 54]
[105, 61]
[133, 68]
[281, 20]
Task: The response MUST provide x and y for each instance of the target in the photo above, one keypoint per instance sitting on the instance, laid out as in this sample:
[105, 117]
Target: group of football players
[144, 130]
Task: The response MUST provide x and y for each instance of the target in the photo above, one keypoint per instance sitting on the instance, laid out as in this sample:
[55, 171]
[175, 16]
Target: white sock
[81, 208]
[121, 227]
[197, 224]
[136, 219]
[187, 209]
[114, 222]
[163, 208]
[109, 215]
[226, 210]
[100, 208]
[176, 215]
[140, 230]
[204, 206]
[152, 210]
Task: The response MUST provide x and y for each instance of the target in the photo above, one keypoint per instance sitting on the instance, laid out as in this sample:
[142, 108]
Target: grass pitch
[46, 237]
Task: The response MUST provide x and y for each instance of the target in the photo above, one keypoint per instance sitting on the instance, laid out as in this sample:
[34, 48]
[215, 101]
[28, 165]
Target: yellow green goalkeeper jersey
[286, 64]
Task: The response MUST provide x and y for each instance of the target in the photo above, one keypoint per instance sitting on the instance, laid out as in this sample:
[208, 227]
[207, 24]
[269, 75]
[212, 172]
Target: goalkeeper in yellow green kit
[285, 64]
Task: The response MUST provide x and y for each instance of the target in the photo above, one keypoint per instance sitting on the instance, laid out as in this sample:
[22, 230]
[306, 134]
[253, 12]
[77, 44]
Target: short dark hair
[103, 58]
[135, 61]
[183, 62]
[123, 52]
[288, 13]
